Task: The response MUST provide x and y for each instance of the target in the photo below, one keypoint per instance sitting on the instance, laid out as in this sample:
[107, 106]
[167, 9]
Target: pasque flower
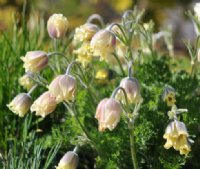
[26, 82]
[20, 104]
[68, 161]
[63, 87]
[57, 26]
[35, 61]
[177, 137]
[132, 89]
[103, 43]
[108, 113]
[197, 10]
[169, 96]
[44, 105]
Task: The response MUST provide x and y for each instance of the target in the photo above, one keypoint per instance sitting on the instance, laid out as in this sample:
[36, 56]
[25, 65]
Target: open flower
[103, 44]
[26, 82]
[68, 161]
[63, 87]
[85, 32]
[169, 96]
[57, 26]
[177, 137]
[108, 113]
[20, 104]
[35, 61]
[132, 89]
[44, 105]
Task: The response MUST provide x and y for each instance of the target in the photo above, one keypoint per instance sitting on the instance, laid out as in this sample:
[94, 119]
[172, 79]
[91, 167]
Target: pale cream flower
[197, 10]
[103, 44]
[35, 61]
[85, 32]
[20, 104]
[57, 26]
[26, 82]
[68, 161]
[63, 87]
[44, 105]
[108, 114]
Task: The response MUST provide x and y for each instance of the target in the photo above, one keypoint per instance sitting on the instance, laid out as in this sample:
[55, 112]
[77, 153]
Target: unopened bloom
[85, 32]
[132, 89]
[197, 10]
[26, 82]
[177, 137]
[68, 161]
[35, 61]
[44, 105]
[84, 54]
[108, 113]
[63, 87]
[103, 44]
[57, 26]
[20, 104]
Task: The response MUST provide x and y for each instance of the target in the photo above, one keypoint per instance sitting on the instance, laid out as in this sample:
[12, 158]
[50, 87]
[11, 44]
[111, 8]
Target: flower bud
[63, 87]
[68, 161]
[20, 104]
[44, 105]
[57, 26]
[103, 43]
[34, 61]
[26, 82]
[132, 89]
[85, 32]
[177, 137]
[197, 10]
[108, 114]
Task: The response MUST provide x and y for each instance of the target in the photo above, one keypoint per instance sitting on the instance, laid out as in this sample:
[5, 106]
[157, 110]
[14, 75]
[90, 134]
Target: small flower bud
[34, 61]
[26, 82]
[108, 114]
[20, 104]
[132, 89]
[63, 87]
[68, 161]
[103, 43]
[44, 105]
[85, 32]
[57, 26]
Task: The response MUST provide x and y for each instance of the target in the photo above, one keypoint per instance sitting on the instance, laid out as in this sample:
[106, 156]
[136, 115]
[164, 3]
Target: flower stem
[119, 63]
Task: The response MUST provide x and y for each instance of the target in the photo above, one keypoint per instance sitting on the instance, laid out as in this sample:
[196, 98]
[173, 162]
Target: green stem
[133, 149]
[119, 63]
[56, 56]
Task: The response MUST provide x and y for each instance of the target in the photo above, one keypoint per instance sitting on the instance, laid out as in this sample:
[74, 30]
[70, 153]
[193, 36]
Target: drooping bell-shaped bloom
[103, 44]
[68, 161]
[132, 89]
[20, 104]
[57, 26]
[26, 82]
[177, 137]
[44, 105]
[63, 87]
[85, 32]
[35, 61]
[108, 113]
[169, 96]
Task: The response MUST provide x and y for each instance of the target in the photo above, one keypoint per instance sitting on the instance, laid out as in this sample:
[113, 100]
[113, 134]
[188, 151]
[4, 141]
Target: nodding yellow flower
[57, 26]
[102, 74]
[85, 32]
[84, 54]
[20, 104]
[108, 114]
[68, 161]
[103, 44]
[170, 99]
[26, 82]
[177, 137]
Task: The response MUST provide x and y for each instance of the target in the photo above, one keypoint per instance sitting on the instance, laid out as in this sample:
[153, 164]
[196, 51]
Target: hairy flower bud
[132, 89]
[26, 82]
[57, 26]
[108, 113]
[44, 105]
[34, 61]
[177, 137]
[20, 104]
[85, 32]
[63, 87]
[103, 44]
[68, 161]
